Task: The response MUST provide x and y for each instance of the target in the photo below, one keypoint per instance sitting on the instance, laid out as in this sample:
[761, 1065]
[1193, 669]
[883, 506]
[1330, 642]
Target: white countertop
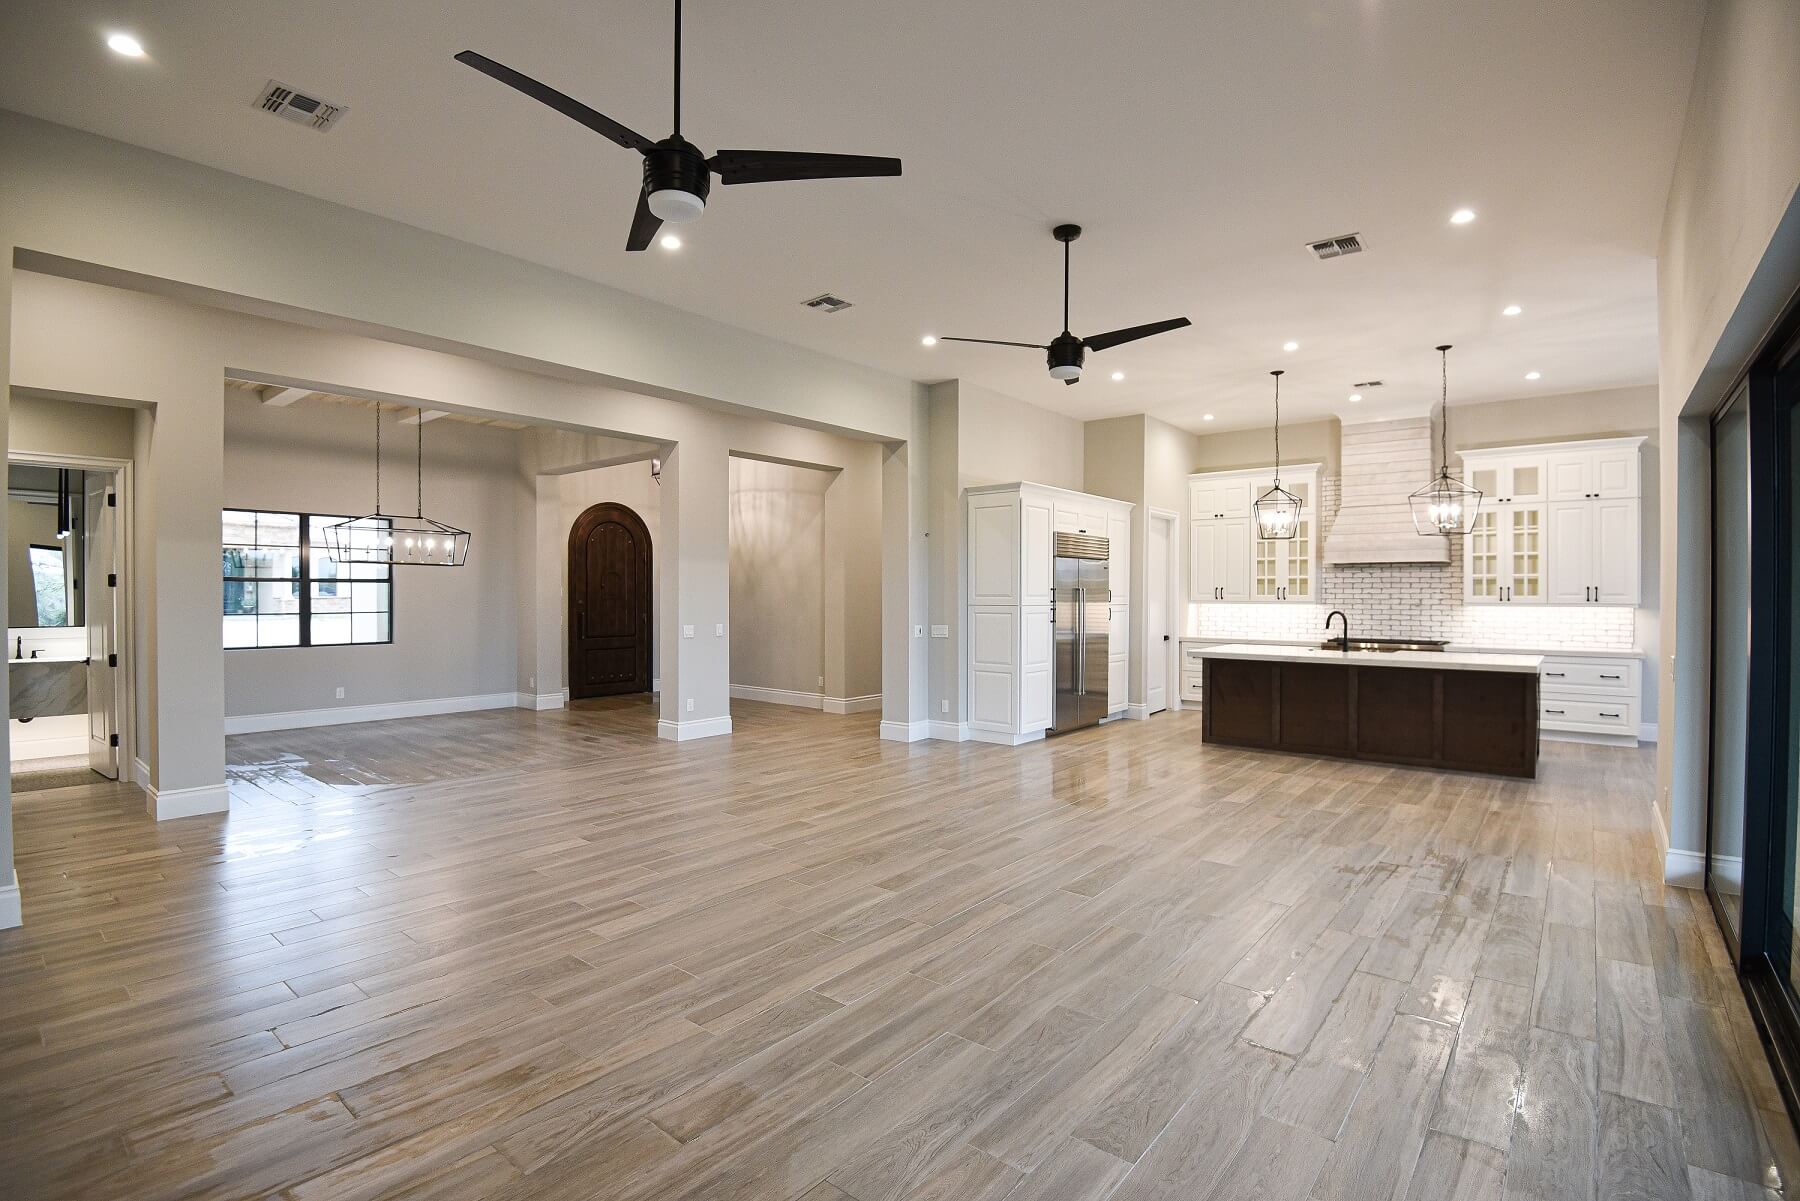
[1565, 652]
[1444, 660]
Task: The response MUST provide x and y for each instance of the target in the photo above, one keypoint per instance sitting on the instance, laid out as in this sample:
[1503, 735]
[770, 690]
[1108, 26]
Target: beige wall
[778, 576]
[1002, 441]
[453, 627]
[1308, 442]
[61, 427]
[1727, 261]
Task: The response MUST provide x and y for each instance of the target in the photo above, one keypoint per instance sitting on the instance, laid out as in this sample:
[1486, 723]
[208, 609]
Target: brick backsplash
[1407, 600]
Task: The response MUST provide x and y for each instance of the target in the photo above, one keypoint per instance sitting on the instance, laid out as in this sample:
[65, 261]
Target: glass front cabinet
[1538, 539]
[1229, 562]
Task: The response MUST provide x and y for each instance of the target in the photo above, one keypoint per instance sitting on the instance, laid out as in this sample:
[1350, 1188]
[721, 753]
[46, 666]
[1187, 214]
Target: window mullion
[305, 579]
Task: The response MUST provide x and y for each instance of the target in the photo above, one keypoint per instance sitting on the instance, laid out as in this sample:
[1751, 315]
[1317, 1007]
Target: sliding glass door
[1731, 660]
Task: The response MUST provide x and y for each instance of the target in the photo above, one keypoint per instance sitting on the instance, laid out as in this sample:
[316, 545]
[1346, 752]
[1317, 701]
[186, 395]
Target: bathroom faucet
[1344, 642]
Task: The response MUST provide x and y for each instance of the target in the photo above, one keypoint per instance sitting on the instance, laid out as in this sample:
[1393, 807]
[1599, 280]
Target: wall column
[695, 574]
[904, 578]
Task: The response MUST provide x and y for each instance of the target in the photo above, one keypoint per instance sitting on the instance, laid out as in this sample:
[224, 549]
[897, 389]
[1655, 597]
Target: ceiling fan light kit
[1065, 353]
[677, 174]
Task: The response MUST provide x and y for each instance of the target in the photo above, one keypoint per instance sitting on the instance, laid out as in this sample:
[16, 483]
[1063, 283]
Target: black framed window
[282, 589]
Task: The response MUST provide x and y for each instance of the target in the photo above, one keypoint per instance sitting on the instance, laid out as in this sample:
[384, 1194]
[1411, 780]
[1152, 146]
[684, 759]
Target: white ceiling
[1200, 144]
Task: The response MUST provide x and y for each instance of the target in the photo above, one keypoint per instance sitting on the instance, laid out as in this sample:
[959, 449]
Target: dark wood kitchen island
[1464, 712]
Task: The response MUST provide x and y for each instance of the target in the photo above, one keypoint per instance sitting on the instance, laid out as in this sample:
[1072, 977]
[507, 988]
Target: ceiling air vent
[1334, 248]
[825, 302]
[283, 101]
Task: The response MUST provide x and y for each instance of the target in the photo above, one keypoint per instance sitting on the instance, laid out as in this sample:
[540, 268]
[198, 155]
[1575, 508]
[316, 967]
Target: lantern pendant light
[1277, 510]
[1446, 506]
[389, 538]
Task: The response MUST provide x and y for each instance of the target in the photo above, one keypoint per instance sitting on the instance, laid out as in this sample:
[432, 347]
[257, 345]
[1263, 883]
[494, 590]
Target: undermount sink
[1383, 645]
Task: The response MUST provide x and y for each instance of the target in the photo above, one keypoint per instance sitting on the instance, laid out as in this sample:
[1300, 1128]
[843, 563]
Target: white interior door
[1157, 568]
[100, 535]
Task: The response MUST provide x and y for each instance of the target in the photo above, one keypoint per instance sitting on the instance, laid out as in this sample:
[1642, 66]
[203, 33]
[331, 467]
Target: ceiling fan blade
[644, 224]
[995, 342]
[1132, 334]
[768, 166]
[568, 106]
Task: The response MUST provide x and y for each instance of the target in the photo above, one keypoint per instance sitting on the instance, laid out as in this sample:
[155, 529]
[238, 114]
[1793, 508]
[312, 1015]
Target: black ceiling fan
[1066, 351]
[677, 176]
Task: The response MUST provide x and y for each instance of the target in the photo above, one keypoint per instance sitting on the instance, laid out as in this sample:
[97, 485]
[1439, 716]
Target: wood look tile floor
[519, 955]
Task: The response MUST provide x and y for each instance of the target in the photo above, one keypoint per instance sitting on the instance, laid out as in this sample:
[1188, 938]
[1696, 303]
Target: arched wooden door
[609, 603]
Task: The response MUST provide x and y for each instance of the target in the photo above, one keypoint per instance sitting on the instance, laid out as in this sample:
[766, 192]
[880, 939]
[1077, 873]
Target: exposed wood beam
[281, 397]
[422, 417]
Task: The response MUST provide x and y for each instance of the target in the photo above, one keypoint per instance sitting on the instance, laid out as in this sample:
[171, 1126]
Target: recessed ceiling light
[1462, 216]
[928, 340]
[125, 45]
[671, 242]
[1355, 396]
[1206, 417]
[1534, 375]
[1511, 310]
[1290, 347]
[1117, 376]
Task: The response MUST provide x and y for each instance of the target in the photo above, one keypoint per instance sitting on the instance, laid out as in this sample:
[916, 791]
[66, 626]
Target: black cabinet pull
[1556, 712]
[1612, 715]
[1557, 674]
[1604, 676]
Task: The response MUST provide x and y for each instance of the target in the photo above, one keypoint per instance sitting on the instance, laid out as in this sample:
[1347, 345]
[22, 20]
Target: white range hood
[1383, 463]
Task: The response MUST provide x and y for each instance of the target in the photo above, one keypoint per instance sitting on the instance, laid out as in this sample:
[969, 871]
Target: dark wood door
[609, 603]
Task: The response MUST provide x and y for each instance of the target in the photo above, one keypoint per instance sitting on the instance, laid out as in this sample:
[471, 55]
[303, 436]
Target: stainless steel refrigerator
[1081, 614]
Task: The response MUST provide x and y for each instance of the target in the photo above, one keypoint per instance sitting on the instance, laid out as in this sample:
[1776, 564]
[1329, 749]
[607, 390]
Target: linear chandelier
[392, 538]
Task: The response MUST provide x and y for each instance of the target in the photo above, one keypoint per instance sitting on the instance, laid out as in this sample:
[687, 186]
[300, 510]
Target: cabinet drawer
[1192, 659]
[1618, 717]
[1190, 686]
[1612, 675]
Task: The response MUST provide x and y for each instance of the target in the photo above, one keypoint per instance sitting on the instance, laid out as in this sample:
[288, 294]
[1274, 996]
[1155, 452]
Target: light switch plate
[687, 631]
[918, 631]
[719, 630]
[940, 631]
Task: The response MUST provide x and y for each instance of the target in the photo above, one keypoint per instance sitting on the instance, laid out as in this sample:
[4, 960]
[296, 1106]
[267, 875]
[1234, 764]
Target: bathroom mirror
[44, 559]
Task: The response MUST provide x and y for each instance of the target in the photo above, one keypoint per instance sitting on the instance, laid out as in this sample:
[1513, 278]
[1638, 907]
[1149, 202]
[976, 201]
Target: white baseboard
[870, 703]
[687, 731]
[1684, 869]
[540, 701]
[1138, 712]
[777, 696]
[166, 804]
[140, 774]
[905, 731]
[997, 738]
[1584, 737]
[343, 715]
[949, 731]
[12, 905]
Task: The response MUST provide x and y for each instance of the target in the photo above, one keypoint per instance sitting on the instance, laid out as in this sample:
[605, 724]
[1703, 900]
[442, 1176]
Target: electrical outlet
[690, 705]
[821, 681]
[687, 631]
[719, 630]
[943, 706]
[532, 683]
[340, 694]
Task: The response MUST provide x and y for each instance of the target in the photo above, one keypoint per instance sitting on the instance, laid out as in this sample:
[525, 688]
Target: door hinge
[112, 740]
[112, 500]
[112, 579]
[112, 660]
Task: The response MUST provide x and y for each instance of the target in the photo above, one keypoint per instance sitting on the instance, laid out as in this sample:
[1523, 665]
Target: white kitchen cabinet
[1010, 669]
[1219, 556]
[1591, 698]
[1503, 559]
[1227, 561]
[1580, 546]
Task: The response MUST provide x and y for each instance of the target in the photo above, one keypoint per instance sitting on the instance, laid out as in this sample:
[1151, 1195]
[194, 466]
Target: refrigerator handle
[1080, 650]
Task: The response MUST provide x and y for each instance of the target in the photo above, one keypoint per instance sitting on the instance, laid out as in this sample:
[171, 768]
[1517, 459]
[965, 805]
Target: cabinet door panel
[1118, 555]
[1616, 473]
[1234, 498]
[1523, 527]
[1615, 573]
[994, 550]
[1571, 552]
[1203, 558]
[1035, 679]
[1233, 551]
[1526, 479]
[1481, 557]
[1036, 518]
[1571, 475]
